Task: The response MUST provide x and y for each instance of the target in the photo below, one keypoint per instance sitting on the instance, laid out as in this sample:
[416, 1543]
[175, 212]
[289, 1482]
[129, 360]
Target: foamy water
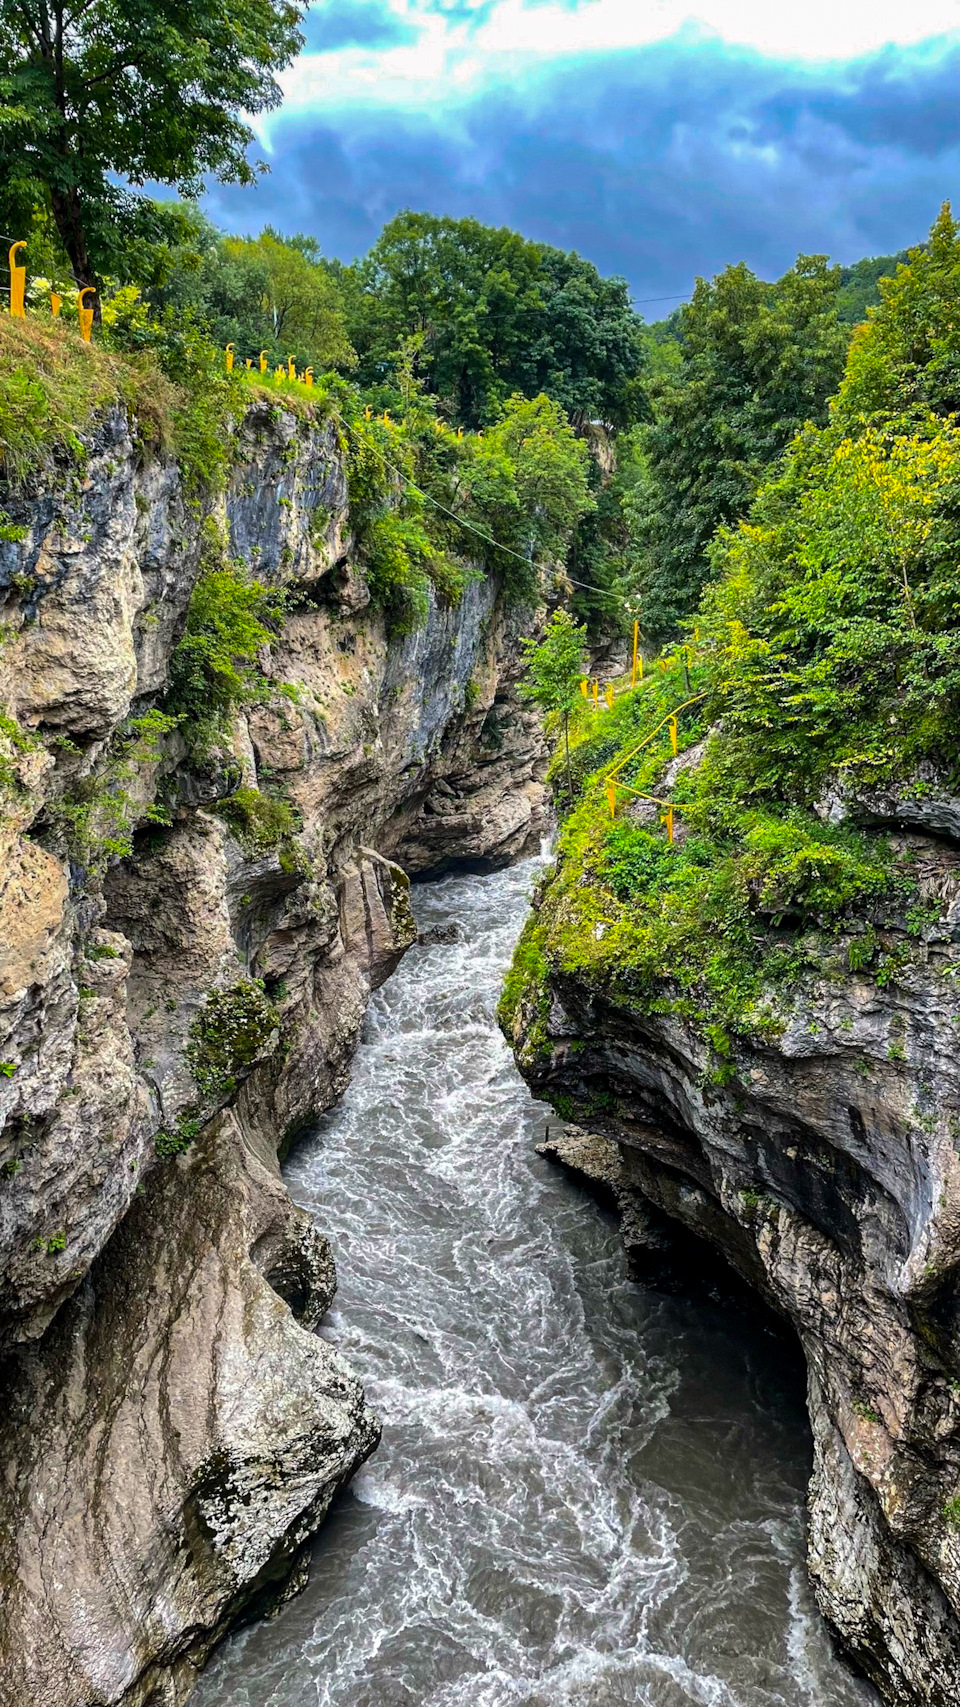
[588, 1494]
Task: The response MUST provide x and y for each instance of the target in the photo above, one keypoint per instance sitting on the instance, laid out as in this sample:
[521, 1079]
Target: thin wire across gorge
[599, 591]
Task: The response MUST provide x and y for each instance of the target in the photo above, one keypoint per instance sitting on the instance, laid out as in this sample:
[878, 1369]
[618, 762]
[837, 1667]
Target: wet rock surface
[825, 1167]
[173, 1429]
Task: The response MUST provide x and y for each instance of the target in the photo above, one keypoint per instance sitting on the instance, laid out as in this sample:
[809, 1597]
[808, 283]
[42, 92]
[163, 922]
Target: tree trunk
[69, 222]
[566, 743]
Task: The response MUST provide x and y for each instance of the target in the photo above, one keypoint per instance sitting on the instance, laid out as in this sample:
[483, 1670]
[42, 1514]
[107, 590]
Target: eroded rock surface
[823, 1162]
[173, 1429]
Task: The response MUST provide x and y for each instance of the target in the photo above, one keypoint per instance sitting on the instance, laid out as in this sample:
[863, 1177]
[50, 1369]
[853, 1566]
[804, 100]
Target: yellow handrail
[670, 720]
[648, 738]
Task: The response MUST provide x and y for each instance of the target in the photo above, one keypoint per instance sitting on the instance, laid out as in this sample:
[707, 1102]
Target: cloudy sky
[662, 138]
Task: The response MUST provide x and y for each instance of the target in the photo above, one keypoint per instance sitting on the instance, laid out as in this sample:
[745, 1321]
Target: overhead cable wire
[526, 561]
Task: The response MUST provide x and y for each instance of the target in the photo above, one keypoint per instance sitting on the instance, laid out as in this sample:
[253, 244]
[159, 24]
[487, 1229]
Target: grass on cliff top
[52, 385]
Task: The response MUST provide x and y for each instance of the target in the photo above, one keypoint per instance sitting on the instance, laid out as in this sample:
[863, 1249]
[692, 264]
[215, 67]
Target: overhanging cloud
[658, 162]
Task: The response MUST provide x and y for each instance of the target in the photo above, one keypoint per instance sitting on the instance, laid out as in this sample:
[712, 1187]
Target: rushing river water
[588, 1494]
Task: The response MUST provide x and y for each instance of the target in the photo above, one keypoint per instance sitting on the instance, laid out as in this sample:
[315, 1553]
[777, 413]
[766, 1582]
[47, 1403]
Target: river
[589, 1493]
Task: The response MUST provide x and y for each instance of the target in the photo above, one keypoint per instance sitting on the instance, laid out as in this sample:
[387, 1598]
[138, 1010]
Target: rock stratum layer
[173, 1428]
[823, 1162]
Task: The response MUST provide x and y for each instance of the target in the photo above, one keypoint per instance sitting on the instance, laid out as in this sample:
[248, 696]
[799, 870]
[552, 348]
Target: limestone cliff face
[173, 1428]
[824, 1164]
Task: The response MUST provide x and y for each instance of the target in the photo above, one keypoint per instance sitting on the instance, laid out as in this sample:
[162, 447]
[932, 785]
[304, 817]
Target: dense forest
[822, 669]
[591, 439]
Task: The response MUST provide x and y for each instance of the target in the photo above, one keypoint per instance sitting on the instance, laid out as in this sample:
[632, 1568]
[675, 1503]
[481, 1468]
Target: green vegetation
[215, 666]
[527, 972]
[498, 317]
[825, 665]
[231, 1032]
[175, 1141]
[951, 1512]
[756, 362]
[97, 817]
[259, 821]
[555, 668]
[100, 90]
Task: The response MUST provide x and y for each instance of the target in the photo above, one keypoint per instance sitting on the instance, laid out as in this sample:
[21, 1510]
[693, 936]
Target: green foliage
[757, 361]
[907, 357]
[259, 821]
[98, 816]
[51, 387]
[523, 485]
[232, 1031]
[951, 1512]
[175, 1141]
[498, 316]
[215, 665]
[860, 286]
[525, 981]
[8, 1068]
[528, 486]
[828, 663]
[554, 668]
[144, 90]
[555, 664]
[268, 293]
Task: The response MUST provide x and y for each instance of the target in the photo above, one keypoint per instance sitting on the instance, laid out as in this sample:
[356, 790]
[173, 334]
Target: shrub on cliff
[215, 666]
[234, 1029]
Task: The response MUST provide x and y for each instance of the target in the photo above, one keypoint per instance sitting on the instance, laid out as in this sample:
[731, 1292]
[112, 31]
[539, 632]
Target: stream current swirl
[589, 1493]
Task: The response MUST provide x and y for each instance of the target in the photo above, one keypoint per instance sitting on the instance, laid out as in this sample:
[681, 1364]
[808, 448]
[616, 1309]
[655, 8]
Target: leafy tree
[908, 355]
[757, 361]
[555, 668]
[497, 315]
[527, 484]
[835, 625]
[860, 286]
[95, 90]
[299, 300]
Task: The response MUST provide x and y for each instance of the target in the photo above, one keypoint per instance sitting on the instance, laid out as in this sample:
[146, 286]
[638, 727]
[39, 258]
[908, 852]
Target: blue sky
[661, 138]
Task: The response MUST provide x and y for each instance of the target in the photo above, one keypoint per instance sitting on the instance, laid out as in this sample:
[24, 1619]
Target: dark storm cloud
[658, 163]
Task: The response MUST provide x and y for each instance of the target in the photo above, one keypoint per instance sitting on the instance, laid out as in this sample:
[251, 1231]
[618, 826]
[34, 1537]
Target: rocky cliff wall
[823, 1161]
[183, 977]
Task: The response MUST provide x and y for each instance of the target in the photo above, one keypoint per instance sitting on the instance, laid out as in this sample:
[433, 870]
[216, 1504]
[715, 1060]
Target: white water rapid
[589, 1494]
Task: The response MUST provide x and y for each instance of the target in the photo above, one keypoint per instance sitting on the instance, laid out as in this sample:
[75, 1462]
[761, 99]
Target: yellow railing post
[308, 376]
[228, 352]
[84, 313]
[584, 687]
[291, 368]
[668, 820]
[55, 302]
[609, 694]
[263, 361]
[18, 281]
[278, 372]
[672, 730]
[596, 696]
[248, 362]
[612, 798]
